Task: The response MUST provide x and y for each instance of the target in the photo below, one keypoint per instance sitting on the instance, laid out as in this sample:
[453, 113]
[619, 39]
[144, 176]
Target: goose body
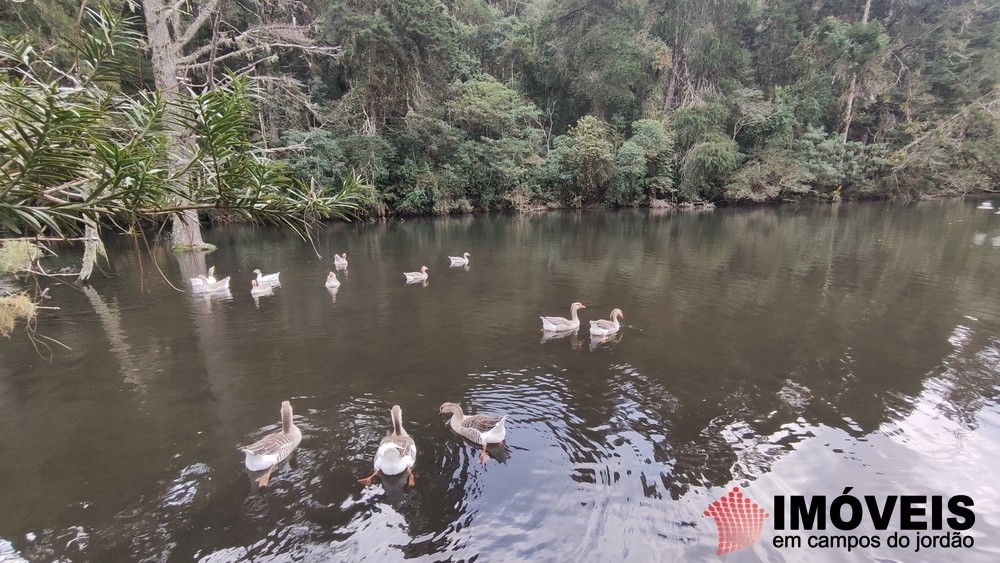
[416, 276]
[267, 279]
[340, 262]
[462, 260]
[258, 290]
[332, 281]
[396, 453]
[602, 327]
[210, 278]
[562, 324]
[207, 286]
[273, 448]
[479, 428]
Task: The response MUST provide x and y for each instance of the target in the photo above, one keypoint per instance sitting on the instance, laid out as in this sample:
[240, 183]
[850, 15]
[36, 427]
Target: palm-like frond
[76, 153]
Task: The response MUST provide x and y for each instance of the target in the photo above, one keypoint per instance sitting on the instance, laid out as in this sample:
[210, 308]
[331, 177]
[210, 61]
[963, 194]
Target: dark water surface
[786, 351]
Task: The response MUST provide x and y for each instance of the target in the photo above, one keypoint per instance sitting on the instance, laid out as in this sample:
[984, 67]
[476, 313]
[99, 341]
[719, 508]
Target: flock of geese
[264, 284]
[397, 452]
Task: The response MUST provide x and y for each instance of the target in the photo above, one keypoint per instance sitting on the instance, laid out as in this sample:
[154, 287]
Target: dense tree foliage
[458, 105]
[78, 154]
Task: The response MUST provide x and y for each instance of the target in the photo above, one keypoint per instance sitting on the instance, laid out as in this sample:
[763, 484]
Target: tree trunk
[668, 101]
[165, 50]
[852, 89]
[186, 233]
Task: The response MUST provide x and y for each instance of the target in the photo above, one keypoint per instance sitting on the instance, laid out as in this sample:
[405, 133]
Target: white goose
[332, 281]
[479, 428]
[462, 260]
[196, 282]
[267, 279]
[207, 286]
[258, 290]
[340, 262]
[396, 453]
[274, 448]
[602, 327]
[416, 276]
[561, 324]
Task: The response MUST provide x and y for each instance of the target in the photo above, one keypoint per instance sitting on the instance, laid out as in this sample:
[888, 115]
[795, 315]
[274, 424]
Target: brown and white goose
[396, 453]
[602, 327]
[479, 428]
[272, 449]
[562, 324]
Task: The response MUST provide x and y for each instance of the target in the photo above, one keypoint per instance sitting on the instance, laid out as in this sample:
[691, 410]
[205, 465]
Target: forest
[473, 105]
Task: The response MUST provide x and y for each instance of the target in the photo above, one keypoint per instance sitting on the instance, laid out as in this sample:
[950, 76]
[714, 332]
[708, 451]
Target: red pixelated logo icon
[739, 520]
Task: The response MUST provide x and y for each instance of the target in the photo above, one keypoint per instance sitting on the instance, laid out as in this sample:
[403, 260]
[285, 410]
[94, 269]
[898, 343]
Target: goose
[560, 324]
[985, 205]
[462, 260]
[258, 290]
[207, 286]
[274, 448]
[416, 276]
[396, 452]
[602, 327]
[196, 282]
[269, 279]
[479, 428]
[332, 281]
[340, 262]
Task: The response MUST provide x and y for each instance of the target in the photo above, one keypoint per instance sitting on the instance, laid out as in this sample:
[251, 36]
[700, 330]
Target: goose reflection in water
[574, 338]
[606, 342]
[212, 296]
[333, 292]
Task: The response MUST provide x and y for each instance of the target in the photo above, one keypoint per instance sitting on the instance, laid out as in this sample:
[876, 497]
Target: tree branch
[204, 12]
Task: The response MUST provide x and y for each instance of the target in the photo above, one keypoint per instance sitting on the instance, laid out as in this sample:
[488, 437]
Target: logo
[739, 520]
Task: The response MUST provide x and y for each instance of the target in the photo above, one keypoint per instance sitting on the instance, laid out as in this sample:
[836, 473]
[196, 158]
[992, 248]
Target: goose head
[450, 408]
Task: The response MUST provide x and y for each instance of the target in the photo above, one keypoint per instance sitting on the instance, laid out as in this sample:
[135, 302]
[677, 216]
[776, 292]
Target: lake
[793, 350]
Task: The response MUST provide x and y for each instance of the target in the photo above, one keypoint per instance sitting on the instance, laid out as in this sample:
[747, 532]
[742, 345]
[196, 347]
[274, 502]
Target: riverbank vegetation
[461, 105]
